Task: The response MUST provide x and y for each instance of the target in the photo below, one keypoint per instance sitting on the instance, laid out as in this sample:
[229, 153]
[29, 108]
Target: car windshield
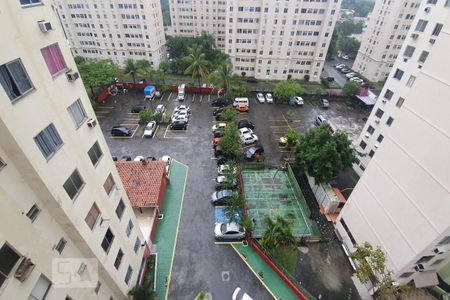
[149, 127]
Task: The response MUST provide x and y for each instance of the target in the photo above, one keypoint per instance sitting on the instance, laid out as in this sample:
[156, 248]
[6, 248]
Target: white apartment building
[60, 194]
[114, 29]
[382, 40]
[265, 39]
[402, 201]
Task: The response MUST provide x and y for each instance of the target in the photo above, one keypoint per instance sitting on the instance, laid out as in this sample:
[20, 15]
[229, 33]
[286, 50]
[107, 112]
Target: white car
[358, 80]
[269, 98]
[239, 294]
[260, 98]
[229, 231]
[340, 66]
[183, 113]
[248, 138]
[177, 118]
[225, 169]
[167, 160]
[244, 130]
[139, 158]
[160, 109]
[355, 78]
[350, 75]
[150, 129]
[299, 101]
[183, 108]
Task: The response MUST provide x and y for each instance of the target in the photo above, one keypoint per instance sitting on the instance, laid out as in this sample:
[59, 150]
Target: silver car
[150, 129]
[221, 197]
[260, 98]
[229, 231]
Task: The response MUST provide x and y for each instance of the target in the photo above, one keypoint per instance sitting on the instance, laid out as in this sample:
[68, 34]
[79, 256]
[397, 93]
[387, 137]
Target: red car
[216, 141]
[242, 108]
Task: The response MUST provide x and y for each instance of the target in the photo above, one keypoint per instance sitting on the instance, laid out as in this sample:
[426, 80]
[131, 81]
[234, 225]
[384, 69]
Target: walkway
[167, 230]
[271, 281]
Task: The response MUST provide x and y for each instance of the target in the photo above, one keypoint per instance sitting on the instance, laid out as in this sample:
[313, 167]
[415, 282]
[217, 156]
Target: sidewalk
[276, 287]
[167, 230]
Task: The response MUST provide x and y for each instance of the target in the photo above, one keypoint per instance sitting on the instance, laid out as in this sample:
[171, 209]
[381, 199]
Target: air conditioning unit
[414, 35]
[376, 146]
[367, 135]
[427, 9]
[405, 60]
[24, 269]
[440, 249]
[91, 123]
[432, 41]
[45, 26]
[72, 75]
[419, 268]
[384, 100]
[377, 121]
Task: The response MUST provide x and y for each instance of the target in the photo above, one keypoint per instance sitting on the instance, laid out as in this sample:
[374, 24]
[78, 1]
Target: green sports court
[270, 192]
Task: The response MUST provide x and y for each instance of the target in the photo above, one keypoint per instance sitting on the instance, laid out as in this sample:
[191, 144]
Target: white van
[240, 101]
[181, 92]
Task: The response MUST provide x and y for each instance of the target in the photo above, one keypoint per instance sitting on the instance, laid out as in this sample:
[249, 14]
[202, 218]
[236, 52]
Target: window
[409, 51]
[77, 113]
[398, 74]
[363, 144]
[109, 184]
[389, 121]
[120, 208]
[347, 230]
[129, 228]
[97, 287]
[95, 153]
[118, 260]
[371, 153]
[48, 141]
[379, 113]
[107, 240]
[421, 25]
[14, 79]
[400, 102]
[388, 94]
[437, 29]
[424, 259]
[8, 259]
[74, 184]
[92, 216]
[380, 138]
[136, 245]
[411, 80]
[423, 56]
[33, 212]
[29, 2]
[60, 246]
[431, 1]
[444, 241]
[40, 289]
[370, 129]
[53, 58]
[406, 274]
[128, 275]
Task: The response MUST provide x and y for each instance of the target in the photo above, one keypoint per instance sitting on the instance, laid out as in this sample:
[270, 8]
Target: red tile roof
[142, 182]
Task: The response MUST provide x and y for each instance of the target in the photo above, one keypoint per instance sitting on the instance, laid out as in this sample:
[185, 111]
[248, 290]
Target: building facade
[402, 201]
[115, 30]
[382, 40]
[265, 39]
[61, 196]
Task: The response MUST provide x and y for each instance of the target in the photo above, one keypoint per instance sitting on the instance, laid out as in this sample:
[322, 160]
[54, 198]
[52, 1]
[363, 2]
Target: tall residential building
[382, 40]
[264, 39]
[114, 29]
[402, 201]
[62, 204]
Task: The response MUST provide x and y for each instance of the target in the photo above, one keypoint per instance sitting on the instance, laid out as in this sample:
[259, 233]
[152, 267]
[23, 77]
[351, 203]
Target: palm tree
[198, 65]
[130, 68]
[143, 69]
[278, 233]
[225, 72]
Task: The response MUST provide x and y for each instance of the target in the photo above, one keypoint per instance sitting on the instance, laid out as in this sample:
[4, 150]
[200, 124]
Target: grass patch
[287, 257]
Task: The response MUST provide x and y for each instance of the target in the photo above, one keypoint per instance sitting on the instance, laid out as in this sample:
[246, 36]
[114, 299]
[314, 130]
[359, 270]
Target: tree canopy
[287, 89]
[197, 63]
[348, 27]
[228, 143]
[323, 154]
[277, 233]
[351, 88]
[97, 73]
[348, 45]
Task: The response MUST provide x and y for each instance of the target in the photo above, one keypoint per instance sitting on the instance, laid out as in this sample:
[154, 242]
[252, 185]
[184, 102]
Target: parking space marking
[201, 98]
[168, 132]
[227, 243]
[214, 158]
[209, 98]
[193, 98]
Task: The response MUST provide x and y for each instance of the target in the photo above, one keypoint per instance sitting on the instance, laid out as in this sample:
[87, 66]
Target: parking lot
[199, 263]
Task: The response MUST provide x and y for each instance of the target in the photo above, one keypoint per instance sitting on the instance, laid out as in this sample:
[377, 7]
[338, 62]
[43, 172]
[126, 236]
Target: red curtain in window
[53, 58]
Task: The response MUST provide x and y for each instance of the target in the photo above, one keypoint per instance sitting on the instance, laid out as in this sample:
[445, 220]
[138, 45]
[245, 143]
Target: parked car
[216, 141]
[150, 129]
[220, 102]
[324, 103]
[120, 131]
[181, 113]
[126, 158]
[228, 231]
[345, 70]
[358, 80]
[178, 125]
[248, 138]
[340, 66]
[218, 117]
[350, 75]
[223, 159]
[244, 130]
[296, 100]
[260, 98]
[242, 108]
[183, 108]
[239, 294]
[225, 169]
[245, 123]
[158, 94]
[182, 118]
[330, 79]
[221, 197]
[252, 80]
[218, 133]
[137, 108]
[219, 126]
[139, 158]
[150, 158]
[217, 111]
[160, 109]
[225, 182]
[269, 98]
[320, 120]
[167, 160]
[251, 152]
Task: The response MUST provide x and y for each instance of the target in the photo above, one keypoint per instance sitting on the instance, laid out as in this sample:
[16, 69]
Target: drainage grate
[225, 275]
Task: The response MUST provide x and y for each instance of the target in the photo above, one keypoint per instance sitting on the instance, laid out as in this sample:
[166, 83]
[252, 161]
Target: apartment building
[114, 29]
[388, 27]
[265, 39]
[402, 201]
[63, 206]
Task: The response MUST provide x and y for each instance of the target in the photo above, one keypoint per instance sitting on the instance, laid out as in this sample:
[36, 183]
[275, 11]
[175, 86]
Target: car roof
[232, 226]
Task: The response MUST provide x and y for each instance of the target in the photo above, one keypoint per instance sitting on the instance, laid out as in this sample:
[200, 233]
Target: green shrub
[145, 116]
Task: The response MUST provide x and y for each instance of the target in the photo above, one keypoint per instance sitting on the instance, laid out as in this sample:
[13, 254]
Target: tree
[351, 89]
[247, 224]
[198, 65]
[143, 69]
[229, 114]
[130, 68]
[228, 143]
[145, 115]
[277, 233]
[306, 77]
[333, 48]
[291, 137]
[348, 45]
[323, 154]
[234, 207]
[222, 76]
[361, 7]
[97, 73]
[237, 89]
[348, 27]
[287, 89]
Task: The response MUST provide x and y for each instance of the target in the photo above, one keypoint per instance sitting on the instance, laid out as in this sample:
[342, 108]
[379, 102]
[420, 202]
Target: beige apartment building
[114, 29]
[383, 37]
[402, 201]
[264, 39]
[68, 230]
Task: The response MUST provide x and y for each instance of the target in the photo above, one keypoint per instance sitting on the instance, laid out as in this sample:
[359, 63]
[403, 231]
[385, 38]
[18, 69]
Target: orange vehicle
[242, 108]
